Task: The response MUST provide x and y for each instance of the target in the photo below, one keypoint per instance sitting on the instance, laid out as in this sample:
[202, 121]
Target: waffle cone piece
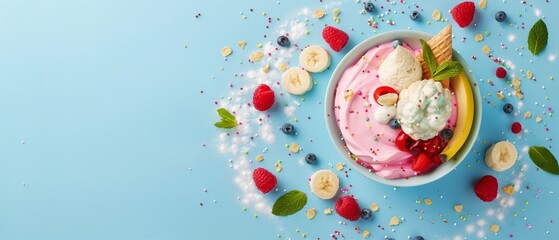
[441, 46]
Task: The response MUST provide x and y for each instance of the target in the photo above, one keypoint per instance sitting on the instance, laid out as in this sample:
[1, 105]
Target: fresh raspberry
[336, 38]
[421, 163]
[348, 208]
[463, 13]
[265, 181]
[263, 97]
[516, 128]
[486, 188]
[501, 72]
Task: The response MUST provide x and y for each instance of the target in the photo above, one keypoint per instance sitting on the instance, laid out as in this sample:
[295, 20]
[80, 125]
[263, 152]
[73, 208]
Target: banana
[465, 118]
[324, 184]
[314, 59]
[501, 156]
[296, 81]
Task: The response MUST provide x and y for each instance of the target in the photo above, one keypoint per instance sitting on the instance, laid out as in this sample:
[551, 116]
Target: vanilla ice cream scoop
[400, 69]
[423, 109]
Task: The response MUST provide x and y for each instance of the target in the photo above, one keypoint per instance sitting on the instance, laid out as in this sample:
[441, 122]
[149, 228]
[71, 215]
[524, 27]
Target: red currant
[516, 127]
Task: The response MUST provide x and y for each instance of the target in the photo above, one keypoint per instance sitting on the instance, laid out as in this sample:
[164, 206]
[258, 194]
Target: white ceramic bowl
[412, 38]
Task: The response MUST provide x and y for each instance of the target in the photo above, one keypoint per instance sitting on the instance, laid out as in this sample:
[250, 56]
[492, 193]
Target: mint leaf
[289, 203]
[225, 115]
[537, 38]
[544, 159]
[428, 57]
[225, 124]
[227, 119]
[447, 69]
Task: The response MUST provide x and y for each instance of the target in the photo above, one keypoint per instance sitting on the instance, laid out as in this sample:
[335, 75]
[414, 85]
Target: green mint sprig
[537, 38]
[227, 119]
[289, 203]
[446, 70]
[544, 159]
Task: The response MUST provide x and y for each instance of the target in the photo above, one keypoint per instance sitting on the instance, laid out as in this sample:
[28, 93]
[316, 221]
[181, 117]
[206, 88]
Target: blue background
[107, 112]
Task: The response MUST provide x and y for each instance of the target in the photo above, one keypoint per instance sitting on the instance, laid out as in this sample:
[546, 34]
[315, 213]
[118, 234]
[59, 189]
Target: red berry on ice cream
[421, 163]
[336, 38]
[403, 141]
[501, 72]
[264, 180]
[434, 145]
[263, 97]
[463, 13]
[486, 188]
[348, 208]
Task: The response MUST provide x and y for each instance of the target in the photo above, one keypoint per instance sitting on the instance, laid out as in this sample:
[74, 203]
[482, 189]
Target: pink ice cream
[372, 143]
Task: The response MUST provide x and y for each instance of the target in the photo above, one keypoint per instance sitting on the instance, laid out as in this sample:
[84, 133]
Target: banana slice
[296, 81]
[314, 59]
[501, 156]
[324, 184]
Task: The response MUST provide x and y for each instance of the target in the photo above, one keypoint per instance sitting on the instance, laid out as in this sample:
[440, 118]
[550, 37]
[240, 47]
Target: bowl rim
[335, 135]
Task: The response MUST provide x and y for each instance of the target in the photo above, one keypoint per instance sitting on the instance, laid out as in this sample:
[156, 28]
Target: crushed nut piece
[366, 234]
[327, 211]
[294, 147]
[255, 57]
[318, 13]
[311, 213]
[394, 221]
[375, 207]
[428, 201]
[478, 37]
[242, 44]
[226, 51]
[436, 15]
[527, 114]
[509, 189]
[486, 49]
[339, 166]
[458, 208]
[259, 158]
[494, 228]
[482, 4]
[500, 95]
[266, 68]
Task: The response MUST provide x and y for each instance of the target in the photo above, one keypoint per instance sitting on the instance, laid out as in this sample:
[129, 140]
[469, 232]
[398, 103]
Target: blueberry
[414, 15]
[500, 16]
[446, 133]
[310, 158]
[396, 43]
[369, 7]
[288, 128]
[366, 213]
[418, 238]
[394, 124]
[283, 41]
[508, 108]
